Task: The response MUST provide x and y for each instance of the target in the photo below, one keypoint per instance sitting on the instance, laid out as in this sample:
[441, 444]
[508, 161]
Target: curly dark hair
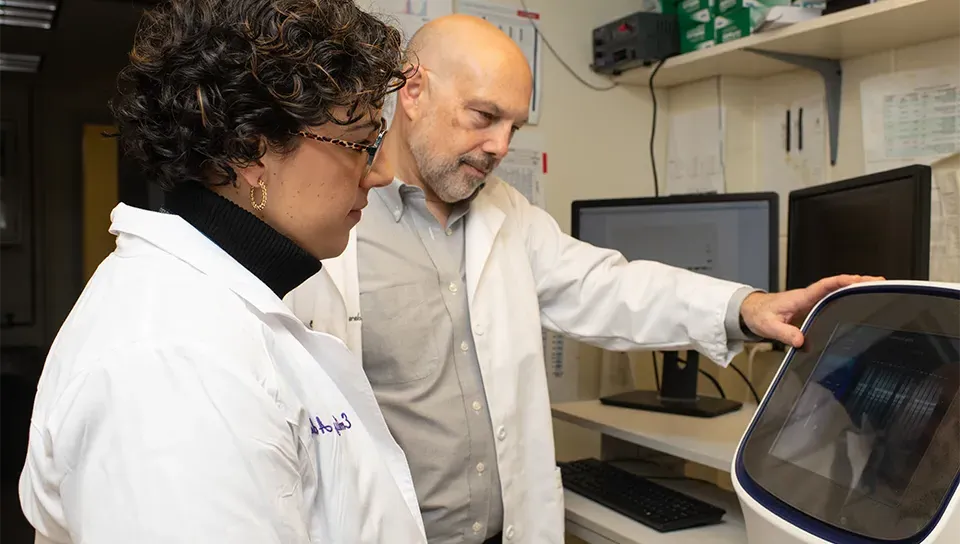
[210, 82]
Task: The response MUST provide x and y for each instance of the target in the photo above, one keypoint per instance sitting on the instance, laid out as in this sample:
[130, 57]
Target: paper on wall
[407, 16]
[520, 26]
[695, 152]
[795, 158]
[616, 373]
[423, 8]
[945, 227]
[910, 117]
[563, 364]
[945, 220]
[525, 165]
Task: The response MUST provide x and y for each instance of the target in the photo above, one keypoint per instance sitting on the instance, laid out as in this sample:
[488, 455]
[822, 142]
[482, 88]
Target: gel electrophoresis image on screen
[870, 409]
[874, 225]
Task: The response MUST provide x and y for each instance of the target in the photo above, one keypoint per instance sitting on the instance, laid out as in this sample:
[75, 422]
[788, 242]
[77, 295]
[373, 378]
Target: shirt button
[477, 526]
[476, 406]
[464, 346]
[478, 329]
[452, 287]
[509, 532]
[502, 433]
[449, 231]
[481, 468]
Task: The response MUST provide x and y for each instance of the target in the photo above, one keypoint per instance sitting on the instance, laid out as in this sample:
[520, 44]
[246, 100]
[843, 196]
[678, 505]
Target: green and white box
[733, 25]
[691, 13]
[737, 22]
[697, 37]
[760, 6]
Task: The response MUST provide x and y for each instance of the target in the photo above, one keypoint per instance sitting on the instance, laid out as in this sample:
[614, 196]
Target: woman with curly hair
[181, 400]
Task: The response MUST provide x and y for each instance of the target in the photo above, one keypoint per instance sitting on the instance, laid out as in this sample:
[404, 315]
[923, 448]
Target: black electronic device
[858, 437]
[878, 225]
[730, 236]
[639, 39]
[640, 499]
[833, 6]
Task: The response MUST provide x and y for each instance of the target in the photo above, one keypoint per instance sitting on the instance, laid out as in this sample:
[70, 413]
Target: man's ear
[410, 96]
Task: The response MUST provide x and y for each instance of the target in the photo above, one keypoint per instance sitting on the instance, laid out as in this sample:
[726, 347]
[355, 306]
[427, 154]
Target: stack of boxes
[705, 23]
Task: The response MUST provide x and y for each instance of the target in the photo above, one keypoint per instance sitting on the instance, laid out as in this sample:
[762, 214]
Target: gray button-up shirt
[419, 355]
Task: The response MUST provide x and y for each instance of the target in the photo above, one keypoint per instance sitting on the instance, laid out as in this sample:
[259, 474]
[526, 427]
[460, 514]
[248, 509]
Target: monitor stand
[678, 392]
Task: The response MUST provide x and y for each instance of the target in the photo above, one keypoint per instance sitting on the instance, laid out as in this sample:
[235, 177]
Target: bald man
[451, 274]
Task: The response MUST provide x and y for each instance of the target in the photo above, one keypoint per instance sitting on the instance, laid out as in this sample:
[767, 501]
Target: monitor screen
[876, 225]
[861, 429]
[731, 237]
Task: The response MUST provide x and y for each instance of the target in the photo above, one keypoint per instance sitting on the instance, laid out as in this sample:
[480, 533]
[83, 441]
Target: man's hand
[771, 315]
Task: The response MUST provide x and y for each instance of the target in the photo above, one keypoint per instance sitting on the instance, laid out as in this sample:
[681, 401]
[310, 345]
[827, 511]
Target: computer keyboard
[636, 497]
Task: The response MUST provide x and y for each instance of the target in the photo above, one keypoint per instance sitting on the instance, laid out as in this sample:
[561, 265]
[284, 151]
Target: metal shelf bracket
[832, 74]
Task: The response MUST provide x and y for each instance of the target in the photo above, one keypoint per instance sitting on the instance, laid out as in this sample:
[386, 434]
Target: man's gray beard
[444, 193]
[437, 179]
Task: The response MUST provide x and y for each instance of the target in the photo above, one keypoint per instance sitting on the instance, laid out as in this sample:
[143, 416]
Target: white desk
[711, 442]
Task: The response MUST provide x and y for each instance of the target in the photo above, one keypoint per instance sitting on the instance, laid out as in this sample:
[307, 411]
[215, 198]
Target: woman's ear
[249, 176]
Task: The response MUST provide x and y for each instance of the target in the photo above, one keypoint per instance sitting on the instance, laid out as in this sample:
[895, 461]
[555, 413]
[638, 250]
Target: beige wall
[742, 98]
[742, 163]
[597, 145]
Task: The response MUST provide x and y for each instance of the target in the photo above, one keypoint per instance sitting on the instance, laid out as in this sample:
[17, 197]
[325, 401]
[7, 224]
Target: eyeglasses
[370, 149]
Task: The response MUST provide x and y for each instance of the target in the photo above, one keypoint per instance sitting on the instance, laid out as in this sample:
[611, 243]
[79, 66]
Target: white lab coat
[523, 273]
[183, 402]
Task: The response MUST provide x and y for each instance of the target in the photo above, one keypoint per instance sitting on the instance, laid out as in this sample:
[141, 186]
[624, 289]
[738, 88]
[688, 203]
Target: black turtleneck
[272, 257]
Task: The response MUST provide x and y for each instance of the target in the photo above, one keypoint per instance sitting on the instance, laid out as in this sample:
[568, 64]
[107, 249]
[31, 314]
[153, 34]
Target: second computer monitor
[877, 225]
[730, 236]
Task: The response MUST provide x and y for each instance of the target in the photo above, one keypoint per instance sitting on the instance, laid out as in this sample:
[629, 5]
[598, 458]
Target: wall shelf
[817, 45]
[855, 32]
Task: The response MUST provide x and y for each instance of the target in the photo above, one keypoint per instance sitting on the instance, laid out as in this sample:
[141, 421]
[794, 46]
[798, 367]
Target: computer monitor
[858, 436]
[876, 225]
[730, 236]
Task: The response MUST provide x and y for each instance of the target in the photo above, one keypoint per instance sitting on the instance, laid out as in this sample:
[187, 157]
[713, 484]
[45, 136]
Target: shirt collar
[392, 198]
[396, 194]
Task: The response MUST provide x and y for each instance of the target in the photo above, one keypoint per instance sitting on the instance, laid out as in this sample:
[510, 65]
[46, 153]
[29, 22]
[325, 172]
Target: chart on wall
[695, 152]
[521, 26]
[407, 16]
[910, 117]
[945, 220]
[525, 166]
[563, 366]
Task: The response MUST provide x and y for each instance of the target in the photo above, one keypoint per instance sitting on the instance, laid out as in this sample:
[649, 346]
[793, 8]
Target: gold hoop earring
[259, 206]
